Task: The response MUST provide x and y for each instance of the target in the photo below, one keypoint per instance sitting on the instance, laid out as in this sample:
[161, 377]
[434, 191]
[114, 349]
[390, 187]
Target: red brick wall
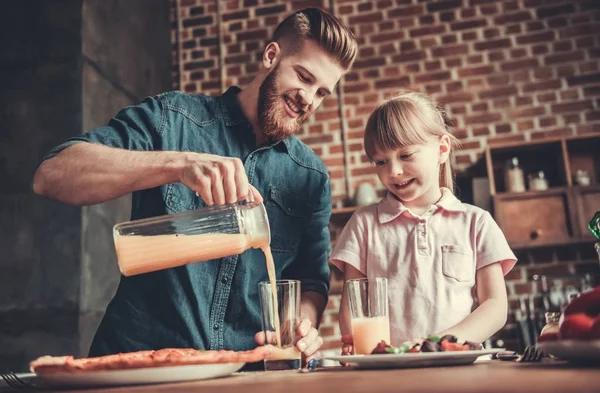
[504, 70]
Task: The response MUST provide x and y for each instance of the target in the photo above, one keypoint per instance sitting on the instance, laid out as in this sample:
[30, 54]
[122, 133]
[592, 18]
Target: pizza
[146, 359]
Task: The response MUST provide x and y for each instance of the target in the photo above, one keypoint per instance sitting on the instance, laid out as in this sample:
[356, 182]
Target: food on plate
[587, 303]
[430, 344]
[550, 336]
[576, 326]
[146, 359]
[595, 329]
[579, 320]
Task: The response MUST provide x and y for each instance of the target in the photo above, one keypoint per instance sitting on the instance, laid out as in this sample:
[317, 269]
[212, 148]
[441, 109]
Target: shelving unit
[559, 215]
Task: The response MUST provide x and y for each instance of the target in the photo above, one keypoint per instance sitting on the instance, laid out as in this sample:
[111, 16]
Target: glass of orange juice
[368, 298]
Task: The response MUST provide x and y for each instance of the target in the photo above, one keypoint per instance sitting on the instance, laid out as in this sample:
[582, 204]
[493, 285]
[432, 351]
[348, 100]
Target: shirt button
[216, 326]
[224, 280]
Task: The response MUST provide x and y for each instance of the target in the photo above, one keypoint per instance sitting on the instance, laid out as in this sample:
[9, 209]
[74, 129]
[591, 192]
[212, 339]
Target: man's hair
[322, 27]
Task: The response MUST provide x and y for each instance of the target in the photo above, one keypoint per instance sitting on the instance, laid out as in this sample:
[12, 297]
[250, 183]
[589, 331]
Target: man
[178, 152]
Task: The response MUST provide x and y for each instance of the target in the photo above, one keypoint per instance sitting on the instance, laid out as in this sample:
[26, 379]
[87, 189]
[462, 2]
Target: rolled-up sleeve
[311, 266]
[136, 127]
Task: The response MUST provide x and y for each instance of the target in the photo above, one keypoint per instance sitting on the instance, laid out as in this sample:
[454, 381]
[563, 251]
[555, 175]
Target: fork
[14, 381]
[531, 354]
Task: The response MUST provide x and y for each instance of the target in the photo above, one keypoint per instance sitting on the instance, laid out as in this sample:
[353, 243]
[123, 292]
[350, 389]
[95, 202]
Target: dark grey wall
[66, 66]
[126, 57]
[40, 105]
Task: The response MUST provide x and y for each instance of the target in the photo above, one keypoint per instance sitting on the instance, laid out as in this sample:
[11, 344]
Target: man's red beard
[272, 117]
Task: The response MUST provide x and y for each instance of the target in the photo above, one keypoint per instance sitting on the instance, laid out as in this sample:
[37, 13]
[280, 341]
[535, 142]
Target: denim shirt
[213, 304]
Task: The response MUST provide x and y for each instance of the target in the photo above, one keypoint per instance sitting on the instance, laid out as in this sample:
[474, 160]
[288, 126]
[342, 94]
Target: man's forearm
[312, 305]
[86, 173]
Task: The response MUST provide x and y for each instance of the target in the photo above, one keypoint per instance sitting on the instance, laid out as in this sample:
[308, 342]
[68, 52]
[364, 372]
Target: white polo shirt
[429, 260]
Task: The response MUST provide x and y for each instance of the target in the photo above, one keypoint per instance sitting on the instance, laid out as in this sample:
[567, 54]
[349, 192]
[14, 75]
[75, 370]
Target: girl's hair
[406, 119]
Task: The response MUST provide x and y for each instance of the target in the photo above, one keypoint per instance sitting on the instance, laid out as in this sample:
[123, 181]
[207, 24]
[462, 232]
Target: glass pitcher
[213, 232]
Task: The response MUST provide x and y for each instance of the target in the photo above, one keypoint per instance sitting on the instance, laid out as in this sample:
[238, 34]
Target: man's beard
[272, 117]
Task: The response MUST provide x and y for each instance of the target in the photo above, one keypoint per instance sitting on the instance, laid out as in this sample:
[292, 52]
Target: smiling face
[412, 173]
[294, 88]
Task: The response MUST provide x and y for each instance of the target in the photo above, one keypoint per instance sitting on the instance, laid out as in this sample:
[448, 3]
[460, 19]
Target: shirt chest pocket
[288, 216]
[180, 198]
[458, 263]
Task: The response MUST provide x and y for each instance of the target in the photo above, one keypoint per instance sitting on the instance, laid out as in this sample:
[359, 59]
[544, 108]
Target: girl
[433, 249]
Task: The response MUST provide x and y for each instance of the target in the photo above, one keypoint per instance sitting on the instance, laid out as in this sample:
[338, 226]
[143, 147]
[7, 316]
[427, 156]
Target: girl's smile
[404, 185]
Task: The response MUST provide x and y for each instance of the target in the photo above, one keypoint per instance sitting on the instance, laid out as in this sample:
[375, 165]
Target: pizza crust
[146, 359]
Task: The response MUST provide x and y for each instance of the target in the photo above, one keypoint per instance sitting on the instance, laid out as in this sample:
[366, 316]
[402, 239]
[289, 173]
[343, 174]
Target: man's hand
[310, 341]
[217, 180]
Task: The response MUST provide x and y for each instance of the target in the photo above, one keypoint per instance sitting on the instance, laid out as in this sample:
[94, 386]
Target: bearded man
[178, 152]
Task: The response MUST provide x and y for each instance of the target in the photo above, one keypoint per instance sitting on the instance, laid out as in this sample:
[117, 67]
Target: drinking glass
[368, 298]
[284, 356]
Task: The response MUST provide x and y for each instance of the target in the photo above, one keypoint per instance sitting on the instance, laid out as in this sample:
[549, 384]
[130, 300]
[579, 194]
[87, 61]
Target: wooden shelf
[550, 243]
[532, 194]
[556, 216]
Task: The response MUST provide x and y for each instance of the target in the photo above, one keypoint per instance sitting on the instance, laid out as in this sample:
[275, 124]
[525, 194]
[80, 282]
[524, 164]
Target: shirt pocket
[180, 198]
[457, 263]
[288, 216]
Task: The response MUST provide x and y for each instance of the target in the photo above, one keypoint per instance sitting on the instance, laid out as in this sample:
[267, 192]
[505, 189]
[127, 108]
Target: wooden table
[489, 377]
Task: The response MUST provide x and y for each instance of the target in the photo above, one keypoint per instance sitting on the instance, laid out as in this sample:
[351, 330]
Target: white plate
[141, 376]
[574, 350]
[423, 359]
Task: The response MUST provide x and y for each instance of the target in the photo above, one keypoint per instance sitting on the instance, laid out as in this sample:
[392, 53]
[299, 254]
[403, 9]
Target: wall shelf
[558, 215]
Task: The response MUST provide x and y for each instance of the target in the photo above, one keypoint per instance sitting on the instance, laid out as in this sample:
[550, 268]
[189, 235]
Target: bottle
[594, 225]
[172, 240]
[582, 177]
[538, 181]
[514, 179]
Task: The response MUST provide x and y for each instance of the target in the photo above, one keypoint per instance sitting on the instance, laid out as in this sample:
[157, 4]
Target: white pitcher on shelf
[365, 194]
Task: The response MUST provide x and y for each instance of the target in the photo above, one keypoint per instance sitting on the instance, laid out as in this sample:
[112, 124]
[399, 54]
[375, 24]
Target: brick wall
[504, 70]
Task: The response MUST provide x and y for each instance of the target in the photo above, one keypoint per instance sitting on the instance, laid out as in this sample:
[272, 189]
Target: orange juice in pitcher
[214, 232]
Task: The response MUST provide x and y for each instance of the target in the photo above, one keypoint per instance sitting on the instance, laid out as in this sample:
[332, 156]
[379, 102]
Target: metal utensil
[18, 381]
[507, 355]
[523, 323]
[545, 297]
[533, 320]
[557, 298]
[571, 292]
[586, 281]
[531, 354]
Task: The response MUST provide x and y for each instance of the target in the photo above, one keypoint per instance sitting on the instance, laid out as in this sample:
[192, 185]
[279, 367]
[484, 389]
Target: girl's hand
[347, 345]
